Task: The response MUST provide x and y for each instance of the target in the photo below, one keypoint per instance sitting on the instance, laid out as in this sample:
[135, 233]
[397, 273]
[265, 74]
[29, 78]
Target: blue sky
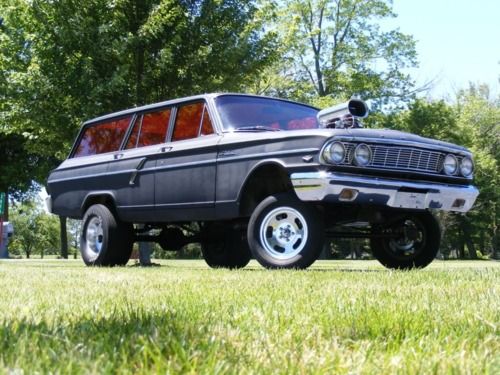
[458, 41]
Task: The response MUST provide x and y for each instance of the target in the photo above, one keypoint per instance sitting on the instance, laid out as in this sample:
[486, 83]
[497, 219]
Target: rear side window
[149, 129]
[101, 138]
[192, 121]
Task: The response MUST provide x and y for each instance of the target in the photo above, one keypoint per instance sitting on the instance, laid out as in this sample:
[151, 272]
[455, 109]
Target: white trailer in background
[6, 231]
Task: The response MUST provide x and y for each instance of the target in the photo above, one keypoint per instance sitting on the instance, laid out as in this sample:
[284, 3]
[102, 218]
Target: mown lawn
[337, 317]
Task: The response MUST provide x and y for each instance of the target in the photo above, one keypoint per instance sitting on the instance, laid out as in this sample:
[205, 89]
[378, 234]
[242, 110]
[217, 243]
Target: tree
[35, 230]
[336, 49]
[473, 121]
[479, 122]
[64, 61]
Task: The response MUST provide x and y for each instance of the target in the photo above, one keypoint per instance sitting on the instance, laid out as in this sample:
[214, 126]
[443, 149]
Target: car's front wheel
[410, 242]
[284, 232]
[105, 241]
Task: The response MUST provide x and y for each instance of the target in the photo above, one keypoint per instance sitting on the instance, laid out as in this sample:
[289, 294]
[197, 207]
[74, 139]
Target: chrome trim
[457, 165]
[401, 142]
[327, 186]
[397, 158]
[472, 169]
[330, 144]
[370, 158]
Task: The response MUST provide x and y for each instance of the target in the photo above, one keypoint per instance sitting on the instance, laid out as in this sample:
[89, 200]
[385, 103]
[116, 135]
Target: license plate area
[409, 200]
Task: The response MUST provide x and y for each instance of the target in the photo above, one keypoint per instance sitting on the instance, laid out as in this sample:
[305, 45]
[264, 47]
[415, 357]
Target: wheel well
[104, 199]
[266, 180]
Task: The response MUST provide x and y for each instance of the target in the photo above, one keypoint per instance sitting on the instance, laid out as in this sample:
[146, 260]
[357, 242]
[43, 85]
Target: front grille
[402, 158]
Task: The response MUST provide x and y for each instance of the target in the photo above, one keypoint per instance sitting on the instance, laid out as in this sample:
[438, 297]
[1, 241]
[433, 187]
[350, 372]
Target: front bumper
[346, 188]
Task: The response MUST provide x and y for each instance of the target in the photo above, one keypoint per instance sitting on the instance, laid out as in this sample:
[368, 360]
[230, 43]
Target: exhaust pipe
[334, 117]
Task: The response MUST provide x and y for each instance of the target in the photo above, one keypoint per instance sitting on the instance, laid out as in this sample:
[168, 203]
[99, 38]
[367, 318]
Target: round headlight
[466, 167]
[362, 155]
[334, 153]
[450, 165]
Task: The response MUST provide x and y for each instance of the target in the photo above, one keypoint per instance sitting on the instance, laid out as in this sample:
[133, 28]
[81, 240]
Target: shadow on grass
[130, 339]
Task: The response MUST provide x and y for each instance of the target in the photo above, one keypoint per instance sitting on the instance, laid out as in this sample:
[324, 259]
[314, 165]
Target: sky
[458, 41]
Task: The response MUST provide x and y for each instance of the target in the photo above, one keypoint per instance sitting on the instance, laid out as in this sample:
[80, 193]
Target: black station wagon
[254, 176]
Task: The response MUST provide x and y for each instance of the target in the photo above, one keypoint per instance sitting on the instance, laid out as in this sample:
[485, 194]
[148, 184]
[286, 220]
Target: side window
[192, 121]
[149, 129]
[206, 123]
[101, 138]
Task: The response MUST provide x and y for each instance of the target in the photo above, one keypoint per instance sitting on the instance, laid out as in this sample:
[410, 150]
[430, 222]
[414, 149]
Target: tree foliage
[35, 231]
[474, 122]
[64, 61]
[338, 48]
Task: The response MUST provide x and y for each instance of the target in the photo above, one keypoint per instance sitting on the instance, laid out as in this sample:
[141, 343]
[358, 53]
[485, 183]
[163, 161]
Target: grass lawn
[337, 317]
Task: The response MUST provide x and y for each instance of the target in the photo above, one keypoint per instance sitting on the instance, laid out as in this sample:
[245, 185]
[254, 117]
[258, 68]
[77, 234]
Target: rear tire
[417, 245]
[225, 247]
[284, 232]
[104, 240]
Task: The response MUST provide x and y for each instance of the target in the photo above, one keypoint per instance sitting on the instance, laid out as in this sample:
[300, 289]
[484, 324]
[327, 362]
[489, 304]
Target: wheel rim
[94, 235]
[412, 239]
[283, 233]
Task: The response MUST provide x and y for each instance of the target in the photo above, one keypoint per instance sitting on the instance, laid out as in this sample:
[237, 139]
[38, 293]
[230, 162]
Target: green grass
[337, 317]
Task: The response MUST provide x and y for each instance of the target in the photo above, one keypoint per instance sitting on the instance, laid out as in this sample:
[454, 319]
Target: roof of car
[173, 102]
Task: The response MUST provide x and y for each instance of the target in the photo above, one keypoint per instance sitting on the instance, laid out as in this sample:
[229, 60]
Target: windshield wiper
[251, 128]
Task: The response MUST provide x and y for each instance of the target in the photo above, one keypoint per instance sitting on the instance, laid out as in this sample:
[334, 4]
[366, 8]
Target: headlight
[466, 167]
[362, 154]
[450, 165]
[334, 153]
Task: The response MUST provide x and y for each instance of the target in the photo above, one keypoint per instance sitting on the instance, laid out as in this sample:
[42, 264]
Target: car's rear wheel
[225, 247]
[413, 242]
[104, 240]
[284, 232]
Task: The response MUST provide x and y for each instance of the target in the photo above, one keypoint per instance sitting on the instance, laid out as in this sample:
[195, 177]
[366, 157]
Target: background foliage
[65, 61]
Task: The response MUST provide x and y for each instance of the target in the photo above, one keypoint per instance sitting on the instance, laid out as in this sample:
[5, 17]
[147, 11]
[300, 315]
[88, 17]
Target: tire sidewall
[315, 237]
[429, 224]
[89, 257]
[227, 250]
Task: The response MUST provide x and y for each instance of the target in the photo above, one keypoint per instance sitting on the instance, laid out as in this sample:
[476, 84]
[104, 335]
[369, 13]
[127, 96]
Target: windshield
[246, 113]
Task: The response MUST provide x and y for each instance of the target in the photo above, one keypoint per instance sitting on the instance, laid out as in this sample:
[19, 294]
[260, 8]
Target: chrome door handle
[139, 166]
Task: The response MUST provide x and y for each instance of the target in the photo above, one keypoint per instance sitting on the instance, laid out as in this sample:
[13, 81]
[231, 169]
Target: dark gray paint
[198, 179]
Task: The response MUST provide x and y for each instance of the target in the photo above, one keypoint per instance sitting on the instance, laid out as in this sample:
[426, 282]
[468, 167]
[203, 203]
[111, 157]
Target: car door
[132, 172]
[185, 171]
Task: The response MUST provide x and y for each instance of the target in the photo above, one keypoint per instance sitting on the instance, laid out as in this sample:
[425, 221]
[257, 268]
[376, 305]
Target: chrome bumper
[344, 188]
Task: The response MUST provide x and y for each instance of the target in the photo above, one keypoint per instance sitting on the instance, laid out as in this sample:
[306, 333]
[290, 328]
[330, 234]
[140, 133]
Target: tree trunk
[461, 249]
[6, 207]
[467, 239]
[64, 237]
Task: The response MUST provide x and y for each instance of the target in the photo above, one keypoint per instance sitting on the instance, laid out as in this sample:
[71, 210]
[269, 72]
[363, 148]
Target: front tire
[284, 232]
[416, 241]
[104, 240]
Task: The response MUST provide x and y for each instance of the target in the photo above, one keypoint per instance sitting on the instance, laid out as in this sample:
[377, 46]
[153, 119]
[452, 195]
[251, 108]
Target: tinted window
[192, 120]
[149, 129]
[206, 123]
[101, 138]
[243, 111]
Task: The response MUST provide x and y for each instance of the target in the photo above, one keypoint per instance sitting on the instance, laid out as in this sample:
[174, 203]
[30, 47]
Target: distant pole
[2, 210]
[64, 237]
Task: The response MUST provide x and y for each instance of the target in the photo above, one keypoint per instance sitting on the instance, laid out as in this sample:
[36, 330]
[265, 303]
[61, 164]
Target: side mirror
[334, 117]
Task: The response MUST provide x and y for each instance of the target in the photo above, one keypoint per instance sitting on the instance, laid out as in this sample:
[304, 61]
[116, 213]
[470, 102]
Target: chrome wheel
[283, 233]
[411, 240]
[94, 235]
